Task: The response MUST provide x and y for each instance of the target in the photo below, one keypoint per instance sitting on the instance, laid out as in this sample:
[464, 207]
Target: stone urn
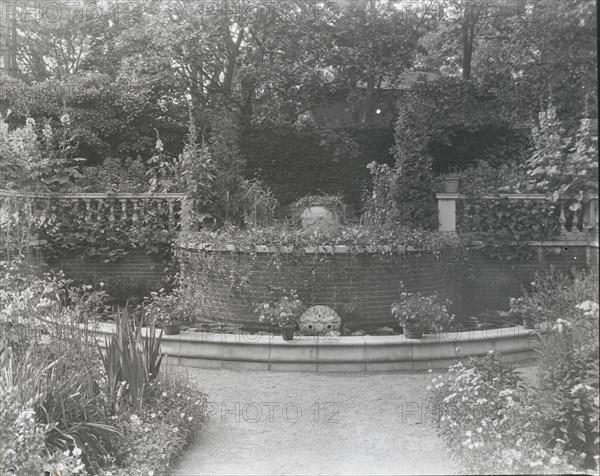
[318, 215]
[319, 320]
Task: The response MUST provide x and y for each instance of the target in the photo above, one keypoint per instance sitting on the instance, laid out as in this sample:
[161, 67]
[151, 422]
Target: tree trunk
[353, 106]
[468, 29]
[370, 99]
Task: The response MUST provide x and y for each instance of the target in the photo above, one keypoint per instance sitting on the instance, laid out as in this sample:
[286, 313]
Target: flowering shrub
[172, 308]
[283, 312]
[490, 421]
[427, 312]
[57, 409]
[23, 449]
[553, 295]
[156, 434]
[494, 424]
[568, 380]
[26, 296]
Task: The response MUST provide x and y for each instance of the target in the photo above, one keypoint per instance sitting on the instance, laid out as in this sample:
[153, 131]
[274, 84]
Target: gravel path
[311, 423]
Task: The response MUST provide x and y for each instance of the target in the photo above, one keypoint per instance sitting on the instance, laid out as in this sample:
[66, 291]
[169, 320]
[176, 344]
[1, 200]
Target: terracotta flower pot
[412, 331]
[171, 330]
[451, 184]
[287, 332]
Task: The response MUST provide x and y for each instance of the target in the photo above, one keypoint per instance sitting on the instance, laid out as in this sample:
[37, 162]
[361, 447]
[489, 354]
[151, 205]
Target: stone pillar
[447, 211]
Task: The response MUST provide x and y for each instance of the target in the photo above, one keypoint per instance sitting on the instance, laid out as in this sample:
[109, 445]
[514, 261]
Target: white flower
[558, 326]
[555, 460]
[468, 433]
[65, 119]
[580, 386]
[590, 308]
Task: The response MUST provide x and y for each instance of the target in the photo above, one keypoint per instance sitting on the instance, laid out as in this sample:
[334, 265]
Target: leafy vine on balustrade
[565, 169]
[71, 227]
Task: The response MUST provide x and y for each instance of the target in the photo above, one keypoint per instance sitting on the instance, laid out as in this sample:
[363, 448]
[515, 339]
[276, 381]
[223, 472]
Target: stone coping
[341, 354]
[341, 249]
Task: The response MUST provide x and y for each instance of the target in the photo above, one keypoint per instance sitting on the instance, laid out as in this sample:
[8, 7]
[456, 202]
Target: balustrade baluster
[562, 219]
[88, 210]
[111, 217]
[172, 223]
[136, 206]
[123, 209]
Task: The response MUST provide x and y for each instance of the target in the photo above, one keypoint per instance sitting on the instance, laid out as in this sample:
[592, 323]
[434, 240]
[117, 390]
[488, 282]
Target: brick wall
[371, 281]
[132, 278]
[360, 287]
[495, 279]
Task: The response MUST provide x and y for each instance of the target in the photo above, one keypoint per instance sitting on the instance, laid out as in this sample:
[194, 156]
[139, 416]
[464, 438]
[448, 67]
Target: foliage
[295, 160]
[20, 220]
[311, 253]
[158, 432]
[25, 296]
[57, 409]
[526, 51]
[283, 312]
[23, 450]
[114, 175]
[560, 165]
[494, 423]
[72, 226]
[127, 369]
[173, 308]
[429, 313]
[332, 203]
[22, 164]
[491, 422]
[564, 172]
[567, 309]
[260, 205]
[553, 294]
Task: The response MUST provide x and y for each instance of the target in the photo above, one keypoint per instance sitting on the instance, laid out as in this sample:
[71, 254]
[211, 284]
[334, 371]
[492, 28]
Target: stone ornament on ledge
[319, 320]
[318, 216]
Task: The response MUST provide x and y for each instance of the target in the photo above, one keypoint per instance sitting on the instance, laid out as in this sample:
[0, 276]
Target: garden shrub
[495, 424]
[55, 389]
[296, 160]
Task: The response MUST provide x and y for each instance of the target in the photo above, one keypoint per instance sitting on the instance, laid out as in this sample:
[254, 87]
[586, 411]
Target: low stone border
[341, 354]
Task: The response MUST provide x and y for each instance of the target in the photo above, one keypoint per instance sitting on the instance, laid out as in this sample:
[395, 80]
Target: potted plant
[520, 309]
[417, 313]
[451, 183]
[284, 313]
[169, 310]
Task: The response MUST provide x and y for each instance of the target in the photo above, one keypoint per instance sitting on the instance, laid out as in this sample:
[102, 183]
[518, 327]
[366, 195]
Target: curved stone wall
[340, 354]
[360, 286]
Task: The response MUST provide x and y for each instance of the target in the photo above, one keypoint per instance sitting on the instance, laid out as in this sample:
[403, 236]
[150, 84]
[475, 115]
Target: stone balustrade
[585, 222]
[120, 206]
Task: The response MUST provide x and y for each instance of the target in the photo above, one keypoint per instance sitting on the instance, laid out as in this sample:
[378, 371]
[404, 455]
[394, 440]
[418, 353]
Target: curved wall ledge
[342, 354]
